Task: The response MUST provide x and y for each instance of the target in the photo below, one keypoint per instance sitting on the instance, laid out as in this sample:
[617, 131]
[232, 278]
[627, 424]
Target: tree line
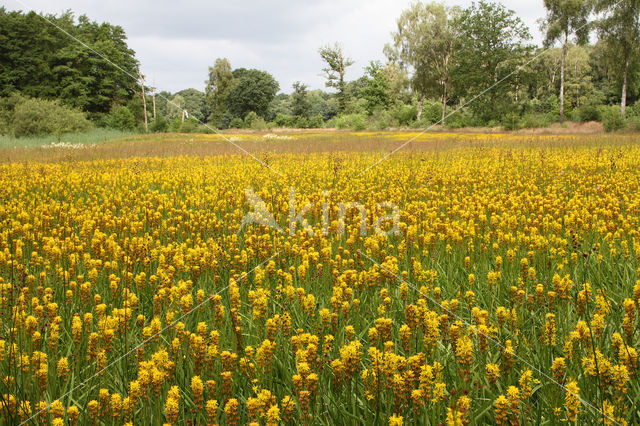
[454, 66]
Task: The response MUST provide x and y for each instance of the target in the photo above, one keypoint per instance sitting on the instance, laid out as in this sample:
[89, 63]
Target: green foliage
[120, 118]
[376, 90]
[426, 42]
[219, 84]
[633, 123]
[249, 119]
[431, 112]
[511, 121]
[36, 117]
[7, 107]
[355, 122]
[302, 123]
[404, 115]
[590, 112]
[612, 119]
[190, 125]
[259, 124]
[39, 60]
[619, 31]
[381, 121]
[284, 120]
[300, 103]
[323, 104]
[159, 124]
[490, 46]
[175, 125]
[337, 64]
[253, 91]
[316, 122]
[537, 120]
[236, 123]
[462, 118]
[194, 101]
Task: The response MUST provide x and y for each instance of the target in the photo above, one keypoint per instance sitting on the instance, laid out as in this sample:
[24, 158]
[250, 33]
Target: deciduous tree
[253, 91]
[425, 43]
[489, 48]
[620, 31]
[219, 84]
[566, 18]
[337, 64]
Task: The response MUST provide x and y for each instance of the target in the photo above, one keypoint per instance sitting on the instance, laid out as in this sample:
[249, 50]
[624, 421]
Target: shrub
[612, 119]
[32, 117]
[224, 122]
[355, 122]
[236, 123]
[404, 114]
[189, 125]
[175, 125]
[331, 123]
[284, 120]
[462, 118]
[536, 120]
[249, 119]
[302, 122]
[159, 124]
[7, 107]
[511, 121]
[431, 112]
[316, 122]
[120, 118]
[633, 110]
[589, 112]
[381, 121]
[633, 123]
[258, 124]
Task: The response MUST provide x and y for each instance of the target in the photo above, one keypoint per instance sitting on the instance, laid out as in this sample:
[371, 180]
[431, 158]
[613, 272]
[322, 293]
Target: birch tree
[620, 30]
[424, 43]
[566, 18]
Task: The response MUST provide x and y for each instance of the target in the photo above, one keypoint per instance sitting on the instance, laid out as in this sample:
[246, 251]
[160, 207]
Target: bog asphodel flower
[572, 400]
[500, 252]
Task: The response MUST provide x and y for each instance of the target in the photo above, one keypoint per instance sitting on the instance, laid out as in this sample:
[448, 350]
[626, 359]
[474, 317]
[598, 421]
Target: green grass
[95, 136]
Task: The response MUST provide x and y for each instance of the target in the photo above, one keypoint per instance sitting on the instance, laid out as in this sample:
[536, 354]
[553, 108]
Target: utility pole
[153, 96]
[154, 102]
[144, 101]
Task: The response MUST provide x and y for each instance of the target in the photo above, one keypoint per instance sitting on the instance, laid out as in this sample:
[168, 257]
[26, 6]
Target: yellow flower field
[507, 293]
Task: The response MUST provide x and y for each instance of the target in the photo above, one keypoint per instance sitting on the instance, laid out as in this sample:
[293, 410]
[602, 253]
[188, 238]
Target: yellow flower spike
[572, 401]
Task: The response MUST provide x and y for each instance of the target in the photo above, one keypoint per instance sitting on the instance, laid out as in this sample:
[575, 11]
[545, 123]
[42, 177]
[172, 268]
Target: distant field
[106, 144]
[96, 136]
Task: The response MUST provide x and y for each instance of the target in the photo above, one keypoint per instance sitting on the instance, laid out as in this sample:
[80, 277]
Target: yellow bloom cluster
[507, 292]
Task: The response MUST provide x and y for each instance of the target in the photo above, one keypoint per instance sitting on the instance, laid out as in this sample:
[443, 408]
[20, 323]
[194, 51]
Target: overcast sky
[176, 41]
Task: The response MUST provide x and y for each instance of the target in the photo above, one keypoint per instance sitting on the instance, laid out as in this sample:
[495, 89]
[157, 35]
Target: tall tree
[39, 60]
[620, 30]
[564, 19]
[489, 48]
[300, 104]
[175, 108]
[376, 90]
[399, 83]
[194, 103]
[219, 84]
[253, 91]
[337, 64]
[425, 42]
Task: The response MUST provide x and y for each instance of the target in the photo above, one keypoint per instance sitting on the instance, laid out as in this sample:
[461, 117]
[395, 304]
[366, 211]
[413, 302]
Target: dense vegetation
[440, 59]
[133, 292]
